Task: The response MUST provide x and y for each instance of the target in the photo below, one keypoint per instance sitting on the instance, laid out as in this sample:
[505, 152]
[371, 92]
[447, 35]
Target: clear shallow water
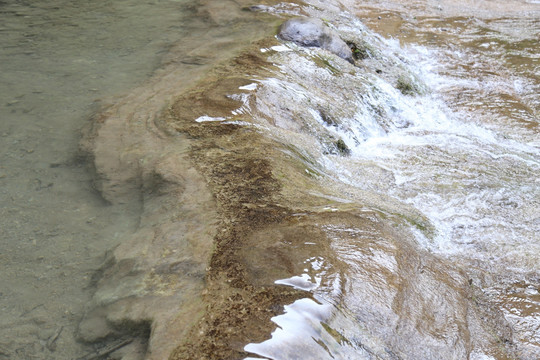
[58, 59]
[61, 61]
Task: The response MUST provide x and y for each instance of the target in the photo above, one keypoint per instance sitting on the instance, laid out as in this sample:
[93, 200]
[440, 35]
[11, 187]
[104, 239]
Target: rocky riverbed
[244, 218]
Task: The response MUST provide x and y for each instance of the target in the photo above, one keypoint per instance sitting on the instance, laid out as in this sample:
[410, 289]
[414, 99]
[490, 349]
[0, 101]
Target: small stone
[314, 33]
[342, 147]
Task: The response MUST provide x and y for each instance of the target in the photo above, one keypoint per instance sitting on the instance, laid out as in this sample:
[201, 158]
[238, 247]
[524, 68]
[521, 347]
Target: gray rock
[313, 32]
[257, 8]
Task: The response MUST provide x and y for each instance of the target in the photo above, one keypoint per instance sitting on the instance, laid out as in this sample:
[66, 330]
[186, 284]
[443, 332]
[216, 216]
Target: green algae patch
[408, 86]
[335, 334]
[361, 50]
[342, 148]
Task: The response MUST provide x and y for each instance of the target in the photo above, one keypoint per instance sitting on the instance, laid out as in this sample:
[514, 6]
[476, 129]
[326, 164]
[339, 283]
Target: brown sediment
[248, 198]
[150, 286]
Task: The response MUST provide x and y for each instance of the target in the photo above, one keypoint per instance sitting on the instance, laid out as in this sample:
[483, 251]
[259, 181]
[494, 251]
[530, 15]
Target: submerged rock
[407, 86]
[313, 32]
[342, 147]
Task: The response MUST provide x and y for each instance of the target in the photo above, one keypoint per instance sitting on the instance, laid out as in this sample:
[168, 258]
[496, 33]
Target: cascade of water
[387, 129]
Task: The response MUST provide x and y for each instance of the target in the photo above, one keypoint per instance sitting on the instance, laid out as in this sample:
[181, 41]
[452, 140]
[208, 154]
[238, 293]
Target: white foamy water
[462, 149]
[299, 327]
[475, 183]
[478, 187]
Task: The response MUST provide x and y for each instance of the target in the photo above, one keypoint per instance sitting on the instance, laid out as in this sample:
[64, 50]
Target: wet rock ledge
[226, 212]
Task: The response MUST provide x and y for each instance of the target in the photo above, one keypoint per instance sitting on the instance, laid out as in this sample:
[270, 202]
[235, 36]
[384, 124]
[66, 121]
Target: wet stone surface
[313, 32]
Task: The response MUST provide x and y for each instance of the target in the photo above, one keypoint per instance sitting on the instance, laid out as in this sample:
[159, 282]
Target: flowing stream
[436, 127]
[459, 144]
